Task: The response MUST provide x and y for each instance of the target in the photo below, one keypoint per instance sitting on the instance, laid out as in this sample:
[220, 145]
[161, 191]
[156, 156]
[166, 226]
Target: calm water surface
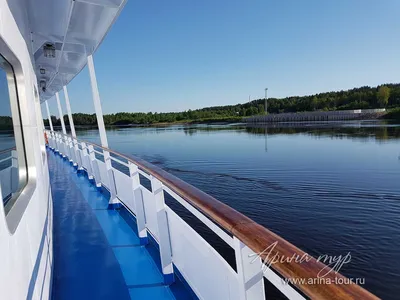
[328, 190]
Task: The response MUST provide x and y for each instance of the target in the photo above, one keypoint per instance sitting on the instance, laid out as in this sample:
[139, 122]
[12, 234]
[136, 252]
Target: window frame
[17, 132]
[14, 211]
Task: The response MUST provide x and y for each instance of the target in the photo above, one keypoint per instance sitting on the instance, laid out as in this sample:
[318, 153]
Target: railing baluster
[78, 156]
[94, 166]
[56, 146]
[113, 202]
[50, 139]
[163, 231]
[250, 272]
[53, 143]
[64, 148]
[71, 149]
[86, 160]
[59, 144]
[138, 203]
[58, 149]
[68, 146]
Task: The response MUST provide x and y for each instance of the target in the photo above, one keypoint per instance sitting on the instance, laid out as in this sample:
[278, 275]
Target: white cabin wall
[20, 249]
[19, 11]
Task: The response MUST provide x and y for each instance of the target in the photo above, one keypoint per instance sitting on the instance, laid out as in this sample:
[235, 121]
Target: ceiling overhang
[75, 28]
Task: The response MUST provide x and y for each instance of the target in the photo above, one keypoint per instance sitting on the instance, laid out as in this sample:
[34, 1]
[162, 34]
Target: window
[13, 171]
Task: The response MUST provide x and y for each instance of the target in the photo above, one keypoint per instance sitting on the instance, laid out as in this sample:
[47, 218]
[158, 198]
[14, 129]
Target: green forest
[387, 95]
[6, 123]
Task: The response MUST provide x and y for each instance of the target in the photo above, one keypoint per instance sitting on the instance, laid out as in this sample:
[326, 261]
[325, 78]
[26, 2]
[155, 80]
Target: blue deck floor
[97, 254]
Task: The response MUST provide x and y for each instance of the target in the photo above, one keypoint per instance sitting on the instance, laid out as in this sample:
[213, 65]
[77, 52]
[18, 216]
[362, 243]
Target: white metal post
[138, 203]
[250, 272]
[49, 116]
[163, 231]
[96, 102]
[68, 105]
[266, 99]
[114, 202]
[73, 146]
[61, 116]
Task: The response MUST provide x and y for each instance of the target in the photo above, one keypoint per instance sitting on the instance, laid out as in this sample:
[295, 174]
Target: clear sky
[184, 54]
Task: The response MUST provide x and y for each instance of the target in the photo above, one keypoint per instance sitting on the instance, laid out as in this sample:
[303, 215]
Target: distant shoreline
[277, 124]
[365, 97]
[224, 121]
[390, 115]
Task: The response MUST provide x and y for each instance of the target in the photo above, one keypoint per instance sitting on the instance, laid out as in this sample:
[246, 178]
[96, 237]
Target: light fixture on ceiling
[42, 85]
[49, 50]
[42, 71]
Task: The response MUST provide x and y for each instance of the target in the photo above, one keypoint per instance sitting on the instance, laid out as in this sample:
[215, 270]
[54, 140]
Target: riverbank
[318, 116]
[209, 121]
[392, 114]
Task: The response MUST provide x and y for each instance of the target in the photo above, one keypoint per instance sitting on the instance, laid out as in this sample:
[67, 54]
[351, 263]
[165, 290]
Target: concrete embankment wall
[337, 115]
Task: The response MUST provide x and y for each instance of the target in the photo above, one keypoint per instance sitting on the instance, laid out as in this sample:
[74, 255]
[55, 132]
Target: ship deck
[97, 253]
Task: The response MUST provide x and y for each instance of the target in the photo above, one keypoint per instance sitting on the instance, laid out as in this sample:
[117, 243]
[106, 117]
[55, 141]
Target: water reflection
[380, 132]
[377, 133]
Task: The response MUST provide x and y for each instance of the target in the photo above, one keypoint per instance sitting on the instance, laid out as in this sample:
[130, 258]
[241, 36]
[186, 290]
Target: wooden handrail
[257, 238]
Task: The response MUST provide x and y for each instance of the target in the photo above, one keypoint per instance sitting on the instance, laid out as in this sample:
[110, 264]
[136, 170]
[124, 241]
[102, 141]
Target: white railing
[205, 270]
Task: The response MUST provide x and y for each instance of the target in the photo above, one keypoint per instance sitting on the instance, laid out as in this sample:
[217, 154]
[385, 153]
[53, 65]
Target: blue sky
[183, 54]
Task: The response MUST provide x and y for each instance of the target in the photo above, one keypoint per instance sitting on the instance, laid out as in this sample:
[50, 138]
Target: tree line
[6, 123]
[365, 97]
